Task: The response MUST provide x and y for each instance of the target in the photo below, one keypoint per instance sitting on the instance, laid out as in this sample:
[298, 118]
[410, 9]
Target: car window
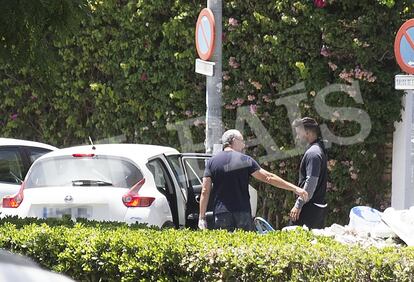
[11, 166]
[83, 171]
[177, 168]
[195, 170]
[161, 178]
[34, 153]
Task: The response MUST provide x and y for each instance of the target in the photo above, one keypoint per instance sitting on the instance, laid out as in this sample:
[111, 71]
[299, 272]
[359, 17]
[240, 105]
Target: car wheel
[168, 224]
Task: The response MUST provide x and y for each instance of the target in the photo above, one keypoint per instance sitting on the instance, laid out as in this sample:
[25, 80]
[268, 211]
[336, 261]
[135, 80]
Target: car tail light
[132, 199]
[137, 201]
[83, 155]
[14, 201]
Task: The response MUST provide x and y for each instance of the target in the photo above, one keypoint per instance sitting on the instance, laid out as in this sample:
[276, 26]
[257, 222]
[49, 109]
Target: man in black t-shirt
[313, 176]
[230, 172]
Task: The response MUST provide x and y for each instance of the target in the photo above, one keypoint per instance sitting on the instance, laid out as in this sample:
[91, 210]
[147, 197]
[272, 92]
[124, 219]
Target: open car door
[193, 166]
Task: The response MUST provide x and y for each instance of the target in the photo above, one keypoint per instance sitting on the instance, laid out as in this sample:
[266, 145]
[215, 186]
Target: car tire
[168, 224]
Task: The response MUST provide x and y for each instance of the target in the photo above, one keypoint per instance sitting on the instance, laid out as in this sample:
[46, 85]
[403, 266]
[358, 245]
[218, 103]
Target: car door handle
[197, 198]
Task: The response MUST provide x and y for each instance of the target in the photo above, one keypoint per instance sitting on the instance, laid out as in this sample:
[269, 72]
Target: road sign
[204, 67]
[404, 82]
[205, 34]
[404, 47]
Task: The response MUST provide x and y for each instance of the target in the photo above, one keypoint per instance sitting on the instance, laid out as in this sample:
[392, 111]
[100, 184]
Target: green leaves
[93, 251]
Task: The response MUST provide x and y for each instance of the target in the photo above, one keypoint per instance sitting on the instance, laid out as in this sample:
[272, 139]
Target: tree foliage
[130, 71]
[28, 28]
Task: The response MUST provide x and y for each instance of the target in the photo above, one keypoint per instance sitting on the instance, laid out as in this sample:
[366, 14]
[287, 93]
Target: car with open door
[188, 168]
[129, 183]
[16, 157]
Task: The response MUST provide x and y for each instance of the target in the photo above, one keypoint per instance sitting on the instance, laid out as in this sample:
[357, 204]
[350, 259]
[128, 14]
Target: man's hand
[294, 213]
[202, 223]
[302, 193]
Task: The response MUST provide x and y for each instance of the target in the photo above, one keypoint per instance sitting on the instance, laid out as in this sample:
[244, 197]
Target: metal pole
[214, 83]
[402, 160]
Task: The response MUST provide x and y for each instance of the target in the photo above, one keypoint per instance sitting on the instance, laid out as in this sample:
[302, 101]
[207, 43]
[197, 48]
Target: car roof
[121, 150]
[19, 142]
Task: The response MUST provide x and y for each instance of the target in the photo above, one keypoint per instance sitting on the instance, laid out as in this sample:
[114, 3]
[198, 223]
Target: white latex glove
[202, 224]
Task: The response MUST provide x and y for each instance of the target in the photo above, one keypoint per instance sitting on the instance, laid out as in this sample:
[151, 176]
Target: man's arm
[313, 168]
[205, 195]
[279, 182]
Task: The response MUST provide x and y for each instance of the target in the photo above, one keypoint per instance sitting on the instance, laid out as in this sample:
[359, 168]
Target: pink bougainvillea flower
[319, 3]
[238, 102]
[233, 22]
[266, 98]
[226, 75]
[256, 84]
[199, 122]
[325, 51]
[331, 164]
[14, 116]
[332, 66]
[253, 109]
[354, 176]
[233, 63]
[144, 76]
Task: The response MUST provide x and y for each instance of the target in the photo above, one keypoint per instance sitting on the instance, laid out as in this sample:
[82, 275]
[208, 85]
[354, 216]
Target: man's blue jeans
[234, 220]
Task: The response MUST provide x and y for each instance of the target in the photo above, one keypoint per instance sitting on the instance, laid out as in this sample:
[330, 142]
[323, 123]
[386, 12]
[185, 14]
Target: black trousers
[312, 216]
[234, 220]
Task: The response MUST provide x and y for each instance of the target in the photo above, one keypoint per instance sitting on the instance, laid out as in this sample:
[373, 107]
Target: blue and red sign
[404, 47]
[205, 34]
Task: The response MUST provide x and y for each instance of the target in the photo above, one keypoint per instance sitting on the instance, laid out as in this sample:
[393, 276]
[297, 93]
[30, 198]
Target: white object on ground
[367, 221]
[363, 218]
[401, 222]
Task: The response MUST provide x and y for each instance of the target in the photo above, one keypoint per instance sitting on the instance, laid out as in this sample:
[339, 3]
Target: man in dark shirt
[313, 176]
[230, 172]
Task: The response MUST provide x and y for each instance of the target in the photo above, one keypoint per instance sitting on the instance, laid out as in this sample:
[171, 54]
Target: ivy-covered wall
[130, 72]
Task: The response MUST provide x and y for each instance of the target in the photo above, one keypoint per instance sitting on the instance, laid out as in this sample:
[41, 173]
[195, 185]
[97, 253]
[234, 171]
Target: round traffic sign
[205, 34]
[404, 47]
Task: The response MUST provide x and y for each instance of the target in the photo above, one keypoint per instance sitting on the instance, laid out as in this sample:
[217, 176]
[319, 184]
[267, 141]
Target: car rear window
[11, 166]
[66, 171]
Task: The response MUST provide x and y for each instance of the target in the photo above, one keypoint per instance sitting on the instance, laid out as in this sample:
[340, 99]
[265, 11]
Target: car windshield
[103, 171]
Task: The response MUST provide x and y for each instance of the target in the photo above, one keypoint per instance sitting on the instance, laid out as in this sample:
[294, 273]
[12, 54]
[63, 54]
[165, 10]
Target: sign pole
[214, 84]
[403, 144]
[402, 196]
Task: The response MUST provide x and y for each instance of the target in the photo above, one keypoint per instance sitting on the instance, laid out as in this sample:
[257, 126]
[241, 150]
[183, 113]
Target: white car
[16, 157]
[116, 182]
[25, 269]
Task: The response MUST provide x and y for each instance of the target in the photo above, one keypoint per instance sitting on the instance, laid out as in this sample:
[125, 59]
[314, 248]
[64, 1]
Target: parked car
[116, 182]
[18, 268]
[16, 157]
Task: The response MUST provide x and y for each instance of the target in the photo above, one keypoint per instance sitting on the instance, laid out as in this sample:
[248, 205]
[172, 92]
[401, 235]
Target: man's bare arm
[205, 195]
[271, 178]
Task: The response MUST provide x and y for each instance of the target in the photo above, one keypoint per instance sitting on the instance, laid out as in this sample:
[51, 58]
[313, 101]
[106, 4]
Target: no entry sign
[205, 34]
[404, 47]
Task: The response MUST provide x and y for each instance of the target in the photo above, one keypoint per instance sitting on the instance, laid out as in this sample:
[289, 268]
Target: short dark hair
[309, 124]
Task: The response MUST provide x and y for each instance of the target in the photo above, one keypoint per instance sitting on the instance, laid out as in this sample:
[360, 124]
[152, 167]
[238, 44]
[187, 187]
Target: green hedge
[130, 72]
[115, 252]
